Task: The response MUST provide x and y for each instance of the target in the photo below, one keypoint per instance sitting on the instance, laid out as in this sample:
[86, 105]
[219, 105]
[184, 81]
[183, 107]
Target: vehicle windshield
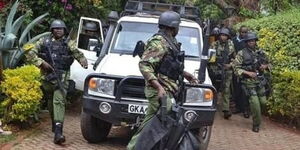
[128, 33]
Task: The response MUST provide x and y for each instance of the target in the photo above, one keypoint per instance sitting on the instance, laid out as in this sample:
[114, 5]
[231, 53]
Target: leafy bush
[285, 100]
[70, 10]
[21, 87]
[279, 36]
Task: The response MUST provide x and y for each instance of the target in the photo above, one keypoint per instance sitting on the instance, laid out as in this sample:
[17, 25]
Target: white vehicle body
[127, 65]
[113, 93]
[78, 74]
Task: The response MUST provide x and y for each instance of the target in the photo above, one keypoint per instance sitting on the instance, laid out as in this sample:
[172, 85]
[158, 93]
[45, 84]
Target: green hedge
[21, 88]
[279, 36]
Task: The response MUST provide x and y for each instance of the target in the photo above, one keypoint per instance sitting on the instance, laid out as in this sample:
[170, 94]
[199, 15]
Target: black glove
[84, 64]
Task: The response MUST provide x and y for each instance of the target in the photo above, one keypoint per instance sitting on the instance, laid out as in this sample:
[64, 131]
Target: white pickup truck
[114, 91]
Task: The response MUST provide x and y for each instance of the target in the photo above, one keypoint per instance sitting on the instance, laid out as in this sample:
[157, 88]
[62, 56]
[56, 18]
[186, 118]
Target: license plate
[137, 109]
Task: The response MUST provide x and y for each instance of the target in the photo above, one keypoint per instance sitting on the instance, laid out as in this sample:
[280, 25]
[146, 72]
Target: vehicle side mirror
[212, 55]
[95, 45]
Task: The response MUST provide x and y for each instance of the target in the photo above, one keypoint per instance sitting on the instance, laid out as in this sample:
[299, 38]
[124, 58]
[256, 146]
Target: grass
[7, 138]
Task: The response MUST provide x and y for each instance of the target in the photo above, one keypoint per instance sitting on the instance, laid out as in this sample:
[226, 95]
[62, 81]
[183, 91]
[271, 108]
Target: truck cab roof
[149, 18]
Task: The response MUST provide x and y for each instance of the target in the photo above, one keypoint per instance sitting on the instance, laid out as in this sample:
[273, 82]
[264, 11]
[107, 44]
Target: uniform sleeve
[31, 55]
[213, 45]
[78, 55]
[232, 51]
[237, 64]
[154, 52]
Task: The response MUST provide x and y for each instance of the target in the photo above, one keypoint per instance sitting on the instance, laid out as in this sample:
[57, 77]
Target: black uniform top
[239, 43]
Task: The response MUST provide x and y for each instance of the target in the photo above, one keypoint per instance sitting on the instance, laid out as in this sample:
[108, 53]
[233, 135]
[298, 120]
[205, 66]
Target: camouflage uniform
[155, 49]
[56, 99]
[251, 86]
[222, 80]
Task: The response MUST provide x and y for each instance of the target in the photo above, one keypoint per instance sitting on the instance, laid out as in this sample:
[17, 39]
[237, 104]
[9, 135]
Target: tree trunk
[250, 4]
[231, 9]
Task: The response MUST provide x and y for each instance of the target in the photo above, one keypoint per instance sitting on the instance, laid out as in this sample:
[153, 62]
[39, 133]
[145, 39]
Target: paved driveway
[233, 134]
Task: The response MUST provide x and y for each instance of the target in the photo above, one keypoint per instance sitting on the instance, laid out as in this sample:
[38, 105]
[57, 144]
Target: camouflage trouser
[257, 100]
[56, 101]
[226, 93]
[153, 107]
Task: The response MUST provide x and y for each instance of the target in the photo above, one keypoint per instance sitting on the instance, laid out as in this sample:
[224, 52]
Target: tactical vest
[249, 60]
[172, 64]
[223, 56]
[60, 53]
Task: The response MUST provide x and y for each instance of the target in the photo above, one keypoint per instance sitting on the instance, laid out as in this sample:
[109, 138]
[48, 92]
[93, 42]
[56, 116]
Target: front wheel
[203, 134]
[94, 130]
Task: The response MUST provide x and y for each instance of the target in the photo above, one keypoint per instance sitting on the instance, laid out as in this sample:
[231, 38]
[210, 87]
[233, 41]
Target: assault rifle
[224, 60]
[263, 80]
[56, 74]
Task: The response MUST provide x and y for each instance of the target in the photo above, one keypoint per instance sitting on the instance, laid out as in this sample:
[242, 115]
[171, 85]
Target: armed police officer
[251, 70]
[54, 55]
[220, 69]
[90, 39]
[162, 67]
[241, 101]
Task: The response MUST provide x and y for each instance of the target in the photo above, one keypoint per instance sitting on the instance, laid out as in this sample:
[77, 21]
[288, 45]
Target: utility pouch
[170, 67]
[68, 60]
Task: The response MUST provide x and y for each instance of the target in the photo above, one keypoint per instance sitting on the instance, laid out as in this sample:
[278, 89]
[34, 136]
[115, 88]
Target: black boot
[246, 114]
[58, 136]
[227, 114]
[255, 128]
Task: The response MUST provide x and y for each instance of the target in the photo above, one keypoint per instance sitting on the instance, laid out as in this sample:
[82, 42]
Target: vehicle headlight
[198, 95]
[101, 87]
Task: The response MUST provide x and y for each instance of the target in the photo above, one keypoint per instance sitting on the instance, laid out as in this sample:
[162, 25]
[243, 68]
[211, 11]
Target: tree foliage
[71, 11]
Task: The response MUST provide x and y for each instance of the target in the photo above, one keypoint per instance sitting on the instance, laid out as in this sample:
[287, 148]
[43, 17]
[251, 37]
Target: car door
[86, 44]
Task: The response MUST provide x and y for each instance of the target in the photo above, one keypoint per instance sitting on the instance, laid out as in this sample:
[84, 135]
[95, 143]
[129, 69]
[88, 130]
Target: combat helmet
[58, 24]
[215, 31]
[91, 26]
[225, 31]
[250, 36]
[169, 19]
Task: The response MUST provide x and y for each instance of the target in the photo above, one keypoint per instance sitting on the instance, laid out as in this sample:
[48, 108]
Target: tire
[203, 134]
[94, 130]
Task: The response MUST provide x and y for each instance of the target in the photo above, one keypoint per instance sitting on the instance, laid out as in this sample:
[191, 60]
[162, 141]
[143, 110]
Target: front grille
[133, 88]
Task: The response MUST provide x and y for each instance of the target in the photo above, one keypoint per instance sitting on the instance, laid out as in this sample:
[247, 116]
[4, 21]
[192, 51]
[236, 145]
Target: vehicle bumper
[119, 111]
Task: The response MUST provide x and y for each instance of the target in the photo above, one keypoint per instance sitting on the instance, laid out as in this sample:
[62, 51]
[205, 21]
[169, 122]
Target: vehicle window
[89, 36]
[128, 33]
[189, 37]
